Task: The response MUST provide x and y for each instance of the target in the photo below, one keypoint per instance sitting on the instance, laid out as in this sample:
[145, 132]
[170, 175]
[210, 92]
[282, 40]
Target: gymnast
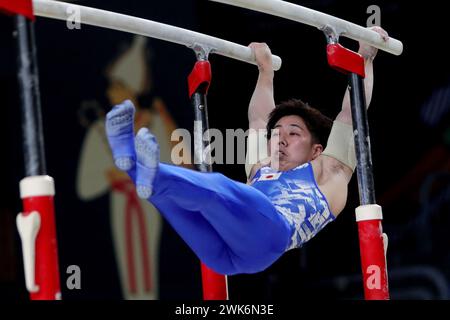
[290, 196]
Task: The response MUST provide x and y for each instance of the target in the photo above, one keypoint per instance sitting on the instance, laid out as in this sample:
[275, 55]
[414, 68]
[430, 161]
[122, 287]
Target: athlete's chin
[283, 163]
[284, 166]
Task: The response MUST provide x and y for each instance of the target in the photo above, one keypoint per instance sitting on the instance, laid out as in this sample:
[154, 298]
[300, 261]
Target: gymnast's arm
[333, 175]
[261, 104]
[262, 101]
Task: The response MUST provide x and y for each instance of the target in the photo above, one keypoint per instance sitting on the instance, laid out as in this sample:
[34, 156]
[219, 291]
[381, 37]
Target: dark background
[409, 126]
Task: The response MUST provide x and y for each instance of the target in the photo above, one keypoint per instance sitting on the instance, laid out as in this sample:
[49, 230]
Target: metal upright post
[372, 240]
[214, 284]
[36, 224]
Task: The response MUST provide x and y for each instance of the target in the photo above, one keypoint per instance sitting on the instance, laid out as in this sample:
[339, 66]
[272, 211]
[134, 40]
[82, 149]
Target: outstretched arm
[333, 175]
[261, 104]
[262, 101]
[369, 53]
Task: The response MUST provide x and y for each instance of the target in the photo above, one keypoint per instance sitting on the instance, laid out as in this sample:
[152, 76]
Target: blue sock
[119, 130]
[147, 153]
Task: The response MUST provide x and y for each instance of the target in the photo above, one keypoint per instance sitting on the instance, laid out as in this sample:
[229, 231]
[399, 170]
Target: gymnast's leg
[232, 227]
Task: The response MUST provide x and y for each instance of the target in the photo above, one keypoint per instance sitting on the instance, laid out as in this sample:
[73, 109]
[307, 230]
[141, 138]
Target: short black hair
[317, 123]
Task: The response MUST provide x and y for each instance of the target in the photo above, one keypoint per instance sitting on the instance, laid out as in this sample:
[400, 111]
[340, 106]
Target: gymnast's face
[291, 144]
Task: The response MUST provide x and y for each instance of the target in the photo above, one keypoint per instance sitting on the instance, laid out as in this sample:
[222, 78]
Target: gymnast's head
[296, 134]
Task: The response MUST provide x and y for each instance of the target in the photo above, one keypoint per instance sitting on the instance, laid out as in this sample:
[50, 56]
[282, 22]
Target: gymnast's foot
[119, 130]
[147, 152]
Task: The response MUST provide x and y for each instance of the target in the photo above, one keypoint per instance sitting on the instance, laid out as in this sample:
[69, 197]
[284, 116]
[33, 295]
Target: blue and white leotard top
[296, 196]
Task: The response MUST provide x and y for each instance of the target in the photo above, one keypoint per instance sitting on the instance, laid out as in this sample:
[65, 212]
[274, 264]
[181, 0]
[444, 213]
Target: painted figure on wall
[135, 224]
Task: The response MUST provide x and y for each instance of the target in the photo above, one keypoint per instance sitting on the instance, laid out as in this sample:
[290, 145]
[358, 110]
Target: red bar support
[200, 78]
[214, 284]
[37, 230]
[22, 7]
[373, 245]
[345, 60]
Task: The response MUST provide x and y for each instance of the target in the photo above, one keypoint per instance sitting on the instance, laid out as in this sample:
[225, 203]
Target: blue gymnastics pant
[232, 227]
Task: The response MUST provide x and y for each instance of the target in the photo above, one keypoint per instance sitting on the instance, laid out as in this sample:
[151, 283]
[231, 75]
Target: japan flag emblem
[270, 176]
